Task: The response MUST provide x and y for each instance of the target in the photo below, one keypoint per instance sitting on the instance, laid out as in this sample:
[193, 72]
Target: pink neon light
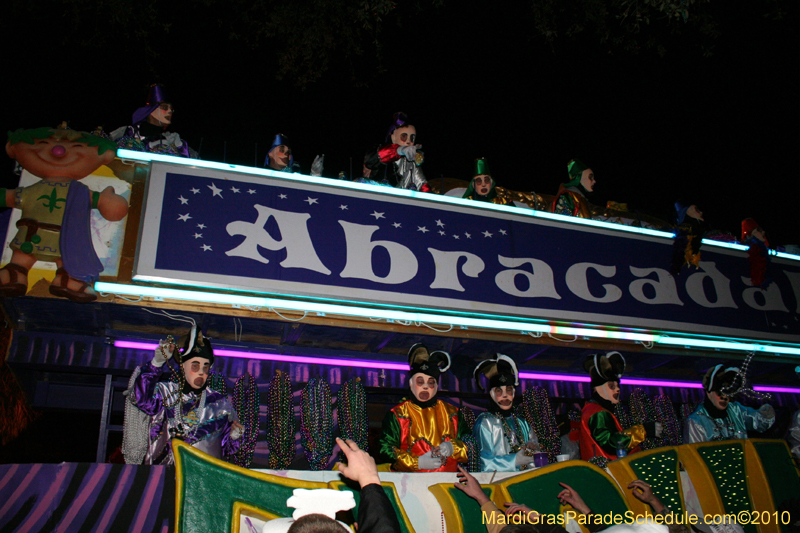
[554, 377]
[790, 390]
[655, 383]
[359, 363]
[362, 363]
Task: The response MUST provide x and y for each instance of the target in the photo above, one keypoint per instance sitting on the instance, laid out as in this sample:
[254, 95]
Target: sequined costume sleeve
[144, 390]
[385, 164]
[700, 427]
[605, 433]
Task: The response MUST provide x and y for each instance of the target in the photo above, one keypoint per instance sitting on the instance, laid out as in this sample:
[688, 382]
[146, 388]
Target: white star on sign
[282, 196]
[423, 229]
[195, 191]
[198, 235]
[467, 235]
[234, 189]
[343, 207]
[503, 232]
[456, 236]
[185, 217]
[442, 233]
[183, 200]
[251, 191]
[396, 224]
[440, 223]
[487, 234]
[311, 200]
[215, 190]
[207, 248]
[201, 226]
[377, 215]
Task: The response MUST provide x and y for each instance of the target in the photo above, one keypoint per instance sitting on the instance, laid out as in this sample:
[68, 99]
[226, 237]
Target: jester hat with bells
[499, 372]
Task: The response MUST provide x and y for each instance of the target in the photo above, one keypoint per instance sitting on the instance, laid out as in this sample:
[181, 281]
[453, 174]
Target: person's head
[280, 154]
[482, 185]
[316, 523]
[502, 378]
[751, 229]
[719, 383]
[157, 111]
[59, 154]
[161, 115]
[426, 367]
[605, 371]
[580, 174]
[195, 357]
[401, 132]
[685, 209]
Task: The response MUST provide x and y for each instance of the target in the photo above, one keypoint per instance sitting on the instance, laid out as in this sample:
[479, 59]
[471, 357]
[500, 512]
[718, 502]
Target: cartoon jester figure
[56, 212]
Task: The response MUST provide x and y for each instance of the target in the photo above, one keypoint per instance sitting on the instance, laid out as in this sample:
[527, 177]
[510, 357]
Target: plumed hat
[604, 368]
[154, 98]
[280, 139]
[575, 169]
[195, 345]
[721, 379]
[499, 372]
[429, 363]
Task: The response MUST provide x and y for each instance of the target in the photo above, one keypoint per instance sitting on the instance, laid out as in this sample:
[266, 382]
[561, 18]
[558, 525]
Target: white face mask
[423, 387]
[503, 396]
[609, 391]
[196, 371]
[405, 136]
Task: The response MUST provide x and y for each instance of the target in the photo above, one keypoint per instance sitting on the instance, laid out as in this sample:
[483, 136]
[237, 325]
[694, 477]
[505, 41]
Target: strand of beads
[218, 382]
[625, 419]
[280, 422]
[642, 412]
[537, 411]
[316, 423]
[468, 418]
[351, 405]
[665, 413]
[247, 403]
[687, 409]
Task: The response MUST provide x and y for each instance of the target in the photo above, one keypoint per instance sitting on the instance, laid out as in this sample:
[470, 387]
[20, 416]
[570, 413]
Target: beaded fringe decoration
[535, 408]
[665, 413]
[642, 411]
[247, 403]
[217, 382]
[468, 418]
[625, 419]
[351, 405]
[599, 461]
[280, 422]
[316, 423]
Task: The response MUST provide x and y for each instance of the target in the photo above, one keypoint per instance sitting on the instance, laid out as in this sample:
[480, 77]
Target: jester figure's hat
[499, 372]
[429, 363]
[195, 345]
[575, 169]
[481, 167]
[720, 379]
[400, 120]
[155, 97]
[604, 368]
[280, 139]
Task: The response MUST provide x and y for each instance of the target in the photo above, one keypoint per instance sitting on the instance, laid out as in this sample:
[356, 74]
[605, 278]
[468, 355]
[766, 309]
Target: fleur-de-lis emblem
[51, 201]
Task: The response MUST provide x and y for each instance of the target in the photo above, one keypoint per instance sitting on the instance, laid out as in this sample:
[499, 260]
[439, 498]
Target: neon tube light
[389, 314]
[403, 367]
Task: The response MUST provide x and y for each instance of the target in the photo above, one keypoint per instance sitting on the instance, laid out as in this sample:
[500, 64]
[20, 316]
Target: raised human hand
[469, 485]
[571, 496]
[360, 465]
[163, 353]
[317, 165]
[644, 492]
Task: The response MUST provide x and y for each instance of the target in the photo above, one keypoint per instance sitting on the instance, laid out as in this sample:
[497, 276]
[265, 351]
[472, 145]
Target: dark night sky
[476, 81]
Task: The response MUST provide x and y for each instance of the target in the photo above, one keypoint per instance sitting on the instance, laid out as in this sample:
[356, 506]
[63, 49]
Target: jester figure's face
[423, 387]
[609, 391]
[719, 399]
[196, 371]
[162, 115]
[587, 179]
[503, 396]
[405, 136]
[482, 184]
[279, 157]
[59, 158]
